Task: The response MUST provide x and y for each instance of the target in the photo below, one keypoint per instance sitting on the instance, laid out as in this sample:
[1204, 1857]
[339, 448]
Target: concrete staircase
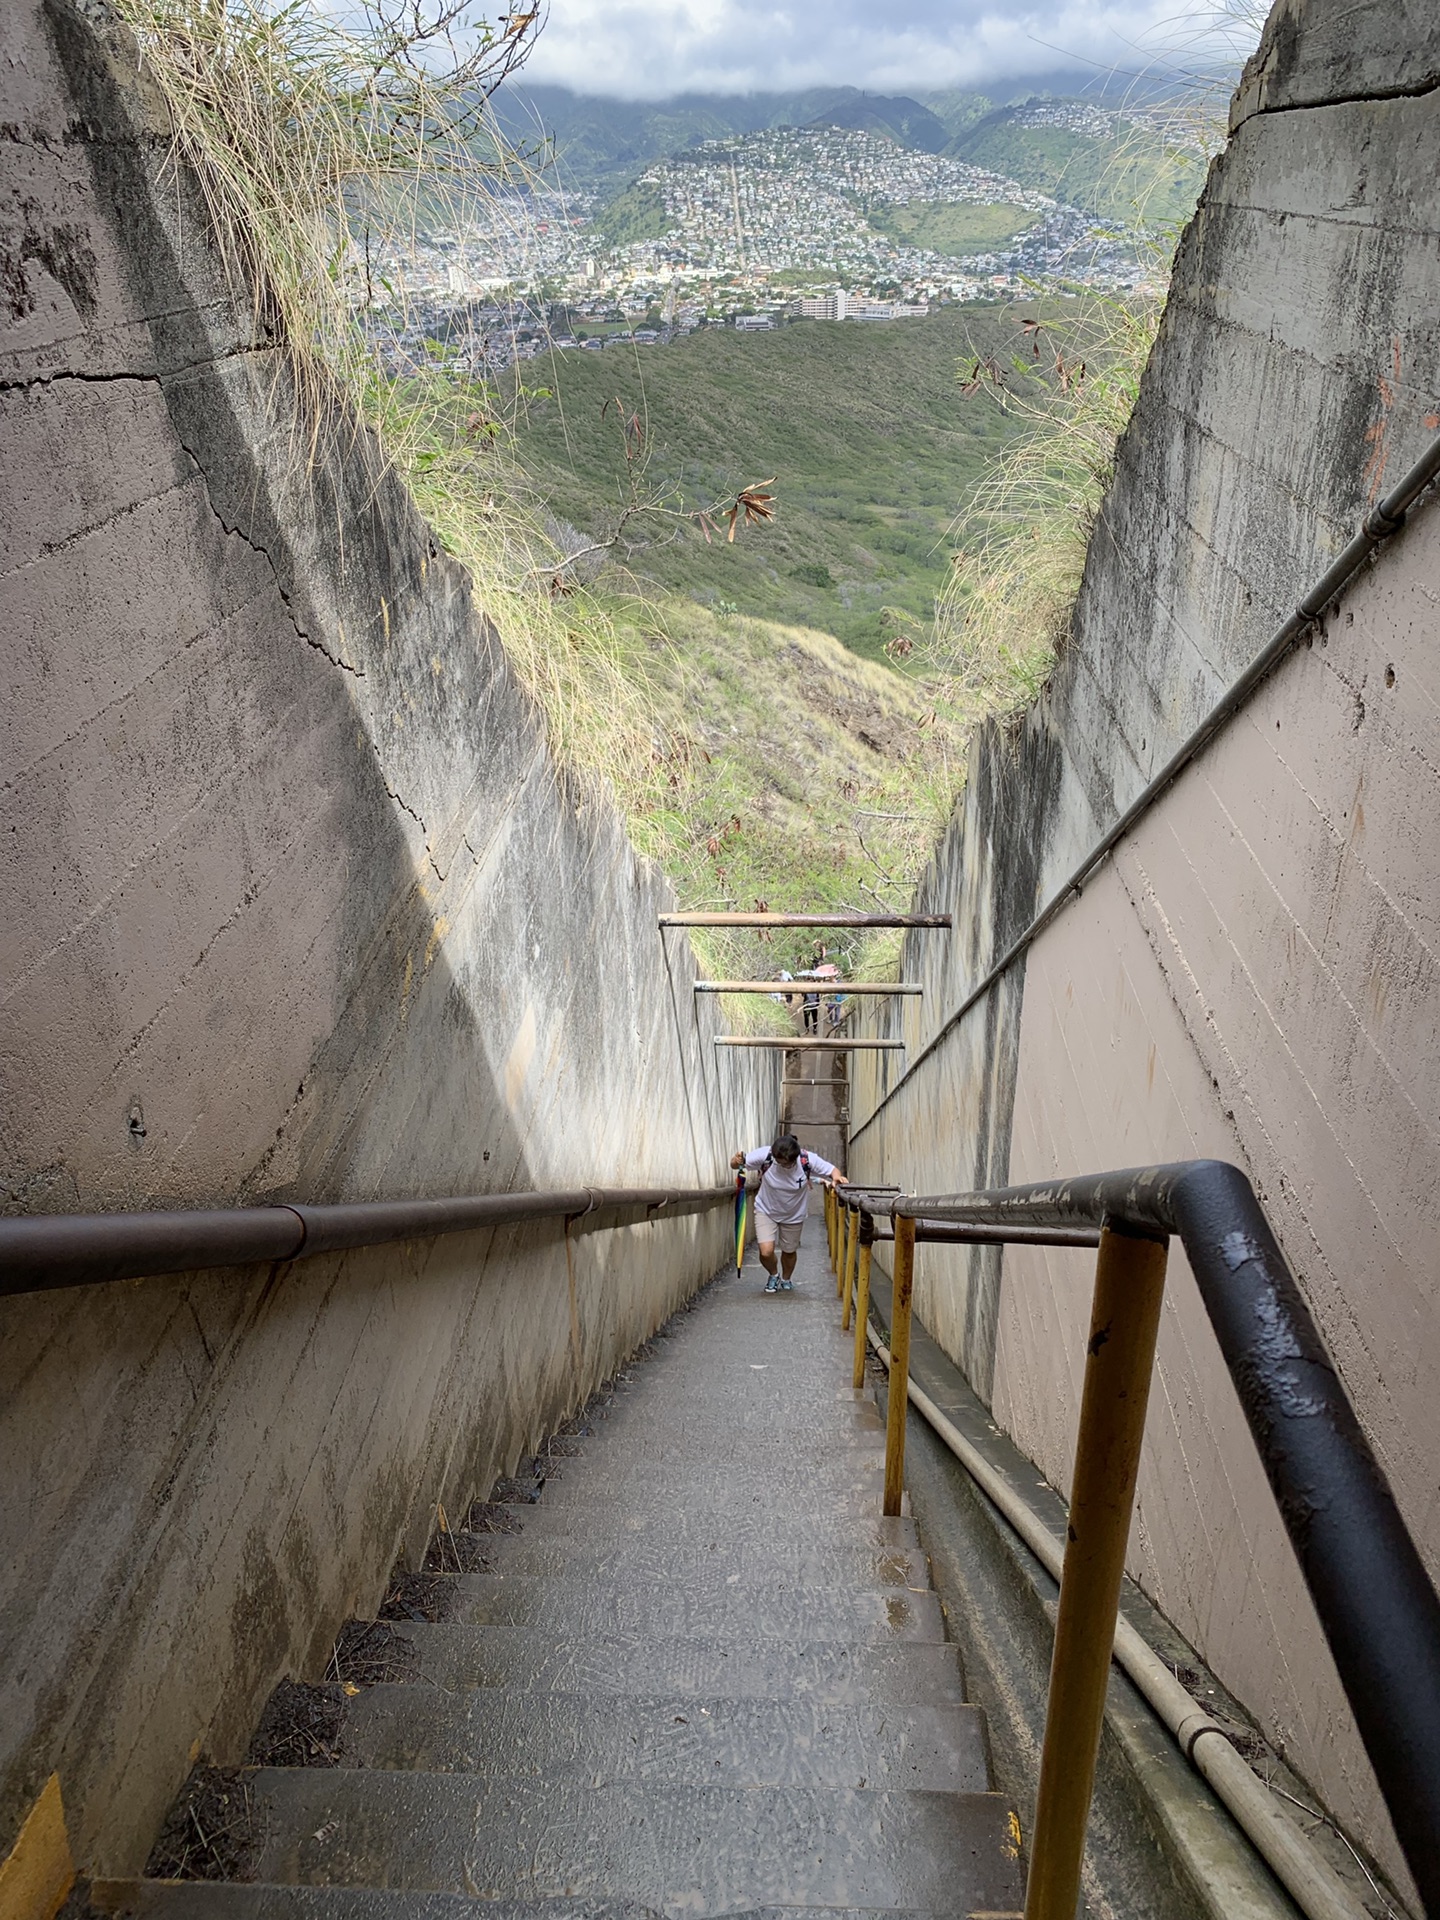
[702, 1676]
[815, 1101]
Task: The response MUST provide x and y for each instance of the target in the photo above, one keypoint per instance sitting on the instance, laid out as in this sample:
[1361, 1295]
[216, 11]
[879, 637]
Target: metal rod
[956, 1234]
[1124, 1323]
[808, 1046]
[852, 1268]
[804, 920]
[902, 1290]
[1379, 525]
[843, 1264]
[793, 987]
[862, 1315]
[40, 1251]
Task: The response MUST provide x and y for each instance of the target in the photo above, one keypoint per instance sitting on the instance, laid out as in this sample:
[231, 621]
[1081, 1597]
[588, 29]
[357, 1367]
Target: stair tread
[852, 1498]
[681, 1741]
[644, 1558]
[460, 1657]
[764, 1529]
[656, 1844]
[752, 1610]
[269, 1900]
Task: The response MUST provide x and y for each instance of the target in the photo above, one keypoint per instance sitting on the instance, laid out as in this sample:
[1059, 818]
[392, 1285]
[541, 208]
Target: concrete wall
[296, 905]
[1253, 976]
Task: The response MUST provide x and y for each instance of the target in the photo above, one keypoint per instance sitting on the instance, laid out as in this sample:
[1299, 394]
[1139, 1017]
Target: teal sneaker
[772, 1285]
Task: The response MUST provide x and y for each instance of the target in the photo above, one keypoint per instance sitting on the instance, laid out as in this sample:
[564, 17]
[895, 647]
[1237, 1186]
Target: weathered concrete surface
[702, 1771]
[1254, 974]
[297, 904]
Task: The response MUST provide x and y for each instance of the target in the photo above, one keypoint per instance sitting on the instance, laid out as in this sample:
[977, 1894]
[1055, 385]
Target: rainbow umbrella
[742, 1208]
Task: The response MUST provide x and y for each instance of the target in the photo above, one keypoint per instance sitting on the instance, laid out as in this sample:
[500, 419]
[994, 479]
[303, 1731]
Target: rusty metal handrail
[1377, 1608]
[41, 1251]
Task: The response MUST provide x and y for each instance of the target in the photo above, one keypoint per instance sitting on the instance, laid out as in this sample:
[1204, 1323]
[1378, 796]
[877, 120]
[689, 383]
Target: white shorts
[785, 1233]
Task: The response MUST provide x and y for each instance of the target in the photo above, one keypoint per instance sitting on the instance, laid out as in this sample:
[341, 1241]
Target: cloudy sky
[646, 49]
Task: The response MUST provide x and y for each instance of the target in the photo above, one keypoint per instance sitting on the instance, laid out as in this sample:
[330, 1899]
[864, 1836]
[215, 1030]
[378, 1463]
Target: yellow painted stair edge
[38, 1872]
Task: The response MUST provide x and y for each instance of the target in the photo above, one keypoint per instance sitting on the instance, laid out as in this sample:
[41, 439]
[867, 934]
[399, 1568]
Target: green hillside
[1135, 171]
[953, 228]
[638, 213]
[862, 428]
[603, 144]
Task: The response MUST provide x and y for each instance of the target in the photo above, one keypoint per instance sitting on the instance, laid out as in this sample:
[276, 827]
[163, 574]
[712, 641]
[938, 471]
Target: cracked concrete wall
[1253, 975]
[297, 904]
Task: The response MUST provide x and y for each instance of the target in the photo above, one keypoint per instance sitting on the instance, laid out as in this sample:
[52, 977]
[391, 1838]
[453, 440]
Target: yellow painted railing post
[899, 1364]
[844, 1261]
[830, 1223]
[862, 1313]
[38, 1871]
[852, 1265]
[1124, 1323]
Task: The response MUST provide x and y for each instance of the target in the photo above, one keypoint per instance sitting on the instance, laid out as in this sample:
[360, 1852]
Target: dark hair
[785, 1148]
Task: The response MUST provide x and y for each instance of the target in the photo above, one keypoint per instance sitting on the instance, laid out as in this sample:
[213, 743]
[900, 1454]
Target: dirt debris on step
[300, 1726]
[370, 1653]
[212, 1832]
[492, 1516]
[458, 1550]
[427, 1597]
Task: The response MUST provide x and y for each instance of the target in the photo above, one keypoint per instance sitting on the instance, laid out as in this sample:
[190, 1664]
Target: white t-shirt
[785, 1191]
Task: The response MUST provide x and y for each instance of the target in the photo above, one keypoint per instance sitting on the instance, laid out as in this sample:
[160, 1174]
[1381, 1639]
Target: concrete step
[677, 1741]
[720, 1481]
[745, 1422]
[730, 1493]
[721, 1531]
[583, 1608]
[778, 1470]
[224, 1900]
[623, 1452]
[648, 1561]
[705, 1851]
[460, 1657]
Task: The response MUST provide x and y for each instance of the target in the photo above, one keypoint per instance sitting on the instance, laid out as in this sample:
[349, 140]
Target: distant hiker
[781, 1203]
[810, 1007]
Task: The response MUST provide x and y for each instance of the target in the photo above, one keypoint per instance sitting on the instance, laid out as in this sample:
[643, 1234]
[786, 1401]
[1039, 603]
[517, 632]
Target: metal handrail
[1376, 1605]
[40, 1251]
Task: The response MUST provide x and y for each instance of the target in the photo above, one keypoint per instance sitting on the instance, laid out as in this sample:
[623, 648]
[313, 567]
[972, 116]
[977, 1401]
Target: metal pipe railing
[793, 989]
[798, 1044]
[40, 1251]
[1376, 1605]
[804, 920]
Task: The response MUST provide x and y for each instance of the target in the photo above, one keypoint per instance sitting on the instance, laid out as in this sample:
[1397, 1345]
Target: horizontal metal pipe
[809, 1046]
[1379, 525]
[41, 1251]
[954, 1233]
[791, 987]
[804, 920]
[1379, 1612]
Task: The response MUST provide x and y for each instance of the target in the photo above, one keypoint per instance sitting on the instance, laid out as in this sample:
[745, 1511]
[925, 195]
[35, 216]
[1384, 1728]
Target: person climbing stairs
[688, 1667]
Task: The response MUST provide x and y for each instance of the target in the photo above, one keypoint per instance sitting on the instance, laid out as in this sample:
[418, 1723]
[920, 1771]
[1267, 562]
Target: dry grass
[1006, 610]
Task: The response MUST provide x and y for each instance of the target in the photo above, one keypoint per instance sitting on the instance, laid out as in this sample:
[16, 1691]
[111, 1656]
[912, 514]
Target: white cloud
[647, 49]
